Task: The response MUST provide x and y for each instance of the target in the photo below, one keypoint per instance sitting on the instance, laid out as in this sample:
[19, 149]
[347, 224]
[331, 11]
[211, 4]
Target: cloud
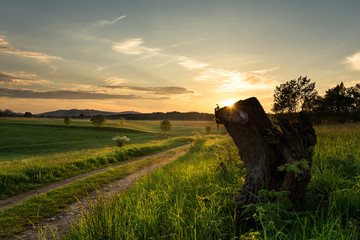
[66, 94]
[107, 22]
[115, 81]
[354, 61]
[232, 81]
[41, 57]
[19, 78]
[156, 90]
[134, 46]
[190, 63]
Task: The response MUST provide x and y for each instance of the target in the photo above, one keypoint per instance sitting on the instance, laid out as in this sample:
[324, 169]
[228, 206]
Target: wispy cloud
[115, 81]
[67, 94]
[231, 81]
[225, 80]
[134, 46]
[19, 78]
[41, 57]
[354, 61]
[107, 22]
[156, 90]
[190, 63]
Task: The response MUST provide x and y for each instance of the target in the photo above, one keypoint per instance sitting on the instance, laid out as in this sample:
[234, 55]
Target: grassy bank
[193, 198]
[20, 176]
[18, 218]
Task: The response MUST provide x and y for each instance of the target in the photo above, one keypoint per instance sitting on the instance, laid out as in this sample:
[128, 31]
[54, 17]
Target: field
[191, 198]
[24, 138]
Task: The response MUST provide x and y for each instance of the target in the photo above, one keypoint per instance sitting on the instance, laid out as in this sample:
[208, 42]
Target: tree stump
[276, 157]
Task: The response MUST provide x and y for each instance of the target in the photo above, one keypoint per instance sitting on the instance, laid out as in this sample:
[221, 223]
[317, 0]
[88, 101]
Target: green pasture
[31, 137]
[192, 198]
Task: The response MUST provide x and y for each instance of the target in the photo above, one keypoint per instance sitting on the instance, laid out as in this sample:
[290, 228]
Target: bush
[207, 129]
[98, 120]
[67, 121]
[120, 141]
[165, 126]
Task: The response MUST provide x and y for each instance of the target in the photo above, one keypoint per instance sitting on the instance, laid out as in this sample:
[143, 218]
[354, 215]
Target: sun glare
[228, 103]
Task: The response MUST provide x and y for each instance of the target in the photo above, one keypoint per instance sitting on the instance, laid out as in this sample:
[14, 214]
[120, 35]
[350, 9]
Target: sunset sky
[165, 55]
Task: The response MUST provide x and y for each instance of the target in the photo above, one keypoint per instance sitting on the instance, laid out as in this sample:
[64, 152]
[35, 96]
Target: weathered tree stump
[265, 149]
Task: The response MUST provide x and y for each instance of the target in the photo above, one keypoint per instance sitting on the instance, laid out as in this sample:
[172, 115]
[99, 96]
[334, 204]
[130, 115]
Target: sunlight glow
[229, 102]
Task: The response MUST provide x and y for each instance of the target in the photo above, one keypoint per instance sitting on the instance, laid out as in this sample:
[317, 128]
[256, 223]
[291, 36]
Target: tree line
[338, 104]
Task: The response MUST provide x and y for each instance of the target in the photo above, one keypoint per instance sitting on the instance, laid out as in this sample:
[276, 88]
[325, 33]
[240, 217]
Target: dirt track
[59, 224]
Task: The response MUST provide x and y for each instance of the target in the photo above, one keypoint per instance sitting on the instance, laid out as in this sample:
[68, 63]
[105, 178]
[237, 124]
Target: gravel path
[58, 225]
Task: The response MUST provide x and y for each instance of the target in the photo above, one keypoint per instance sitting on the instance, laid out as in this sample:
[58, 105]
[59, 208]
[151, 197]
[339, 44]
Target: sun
[229, 102]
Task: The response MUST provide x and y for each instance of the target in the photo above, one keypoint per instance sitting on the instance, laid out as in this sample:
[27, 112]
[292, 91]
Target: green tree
[67, 121]
[98, 120]
[295, 95]
[165, 127]
[121, 121]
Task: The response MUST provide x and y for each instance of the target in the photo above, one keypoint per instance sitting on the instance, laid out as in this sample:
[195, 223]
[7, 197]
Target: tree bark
[264, 147]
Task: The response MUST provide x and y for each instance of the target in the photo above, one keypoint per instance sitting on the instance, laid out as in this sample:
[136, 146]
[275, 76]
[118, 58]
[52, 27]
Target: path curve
[12, 201]
[58, 226]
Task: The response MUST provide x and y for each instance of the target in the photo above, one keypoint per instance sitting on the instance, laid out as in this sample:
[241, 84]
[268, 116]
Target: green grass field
[193, 198]
[32, 137]
[35, 152]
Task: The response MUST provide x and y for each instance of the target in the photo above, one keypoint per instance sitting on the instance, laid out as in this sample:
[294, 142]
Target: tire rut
[57, 226]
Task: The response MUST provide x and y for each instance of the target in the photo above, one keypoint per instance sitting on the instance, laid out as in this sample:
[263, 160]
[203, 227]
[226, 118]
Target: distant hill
[78, 112]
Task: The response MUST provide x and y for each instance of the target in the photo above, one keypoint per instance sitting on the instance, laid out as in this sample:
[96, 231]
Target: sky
[166, 55]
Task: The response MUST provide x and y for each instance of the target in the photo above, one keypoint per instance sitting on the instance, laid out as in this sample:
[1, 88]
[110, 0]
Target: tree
[121, 121]
[28, 114]
[275, 160]
[294, 95]
[98, 120]
[337, 100]
[165, 127]
[67, 121]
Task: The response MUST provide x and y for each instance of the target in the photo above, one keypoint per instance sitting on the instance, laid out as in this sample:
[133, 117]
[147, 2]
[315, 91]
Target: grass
[190, 198]
[193, 198]
[20, 176]
[18, 218]
[33, 137]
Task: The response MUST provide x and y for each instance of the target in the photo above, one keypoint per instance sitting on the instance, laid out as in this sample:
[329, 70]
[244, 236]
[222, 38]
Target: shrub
[98, 120]
[67, 121]
[165, 126]
[207, 129]
[121, 121]
[120, 141]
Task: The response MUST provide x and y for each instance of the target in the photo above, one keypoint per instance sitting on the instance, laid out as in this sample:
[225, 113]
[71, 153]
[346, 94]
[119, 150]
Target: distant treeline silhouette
[190, 116]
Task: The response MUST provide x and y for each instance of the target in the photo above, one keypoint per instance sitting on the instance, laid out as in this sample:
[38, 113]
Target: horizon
[164, 56]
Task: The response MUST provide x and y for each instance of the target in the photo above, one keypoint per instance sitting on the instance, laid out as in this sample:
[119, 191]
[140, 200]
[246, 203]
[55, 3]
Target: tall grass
[188, 199]
[193, 198]
[20, 176]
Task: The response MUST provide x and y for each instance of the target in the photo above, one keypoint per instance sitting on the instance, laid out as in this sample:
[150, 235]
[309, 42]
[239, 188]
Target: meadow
[33, 137]
[192, 198]
[36, 152]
